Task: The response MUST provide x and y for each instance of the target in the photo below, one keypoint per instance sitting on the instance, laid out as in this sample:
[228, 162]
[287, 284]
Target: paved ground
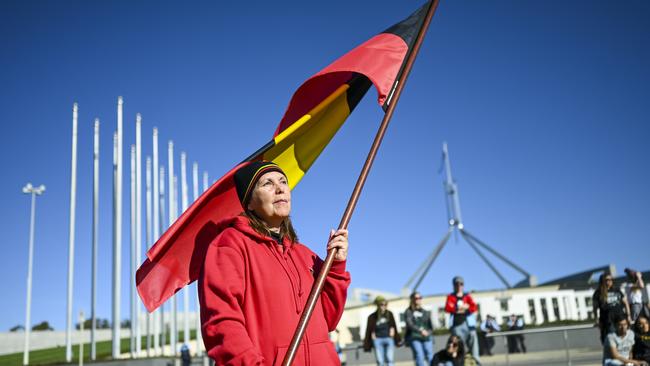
[582, 357]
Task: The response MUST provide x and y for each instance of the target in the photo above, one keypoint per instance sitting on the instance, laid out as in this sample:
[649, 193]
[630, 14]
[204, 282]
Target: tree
[44, 325]
[126, 323]
[17, 328]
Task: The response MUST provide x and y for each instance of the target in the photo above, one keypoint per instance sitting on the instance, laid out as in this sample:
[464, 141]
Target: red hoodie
[253, 292]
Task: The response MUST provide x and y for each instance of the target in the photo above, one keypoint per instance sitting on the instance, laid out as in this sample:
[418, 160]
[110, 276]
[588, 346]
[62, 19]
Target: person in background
[608, 303]
[634, 290]
[618, 345]
[489, 325]
[382, 334]
[452, 355]
[419, 331]
[186, 358]
[462, 309]
[516, 342]
[641, 348]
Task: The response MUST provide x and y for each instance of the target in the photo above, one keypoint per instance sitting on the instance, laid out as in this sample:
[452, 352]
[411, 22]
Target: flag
[317, 110]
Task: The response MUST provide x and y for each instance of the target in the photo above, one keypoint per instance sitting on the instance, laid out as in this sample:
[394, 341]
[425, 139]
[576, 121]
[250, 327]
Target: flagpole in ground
[174, 300]
[138, 226]
[132, 231]
[148, 240]
[163, 329]
[156, 232]
[392, 100]
[186, 295]
[170, 199]
[195, 191]
[73, 199]
[95, 239]
[117, 229]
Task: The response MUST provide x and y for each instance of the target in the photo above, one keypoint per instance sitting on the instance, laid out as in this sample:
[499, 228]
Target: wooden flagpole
[317, 288]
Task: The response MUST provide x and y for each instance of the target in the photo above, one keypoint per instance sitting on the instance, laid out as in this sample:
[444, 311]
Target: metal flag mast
[456, 224]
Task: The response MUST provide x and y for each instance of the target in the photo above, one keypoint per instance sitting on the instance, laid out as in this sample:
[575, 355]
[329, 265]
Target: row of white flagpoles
[156, 202]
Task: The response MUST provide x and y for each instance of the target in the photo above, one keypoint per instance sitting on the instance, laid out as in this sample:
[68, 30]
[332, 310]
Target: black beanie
[247, 176]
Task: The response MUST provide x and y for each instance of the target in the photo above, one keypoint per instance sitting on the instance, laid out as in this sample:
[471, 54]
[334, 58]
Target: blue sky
[544, 106]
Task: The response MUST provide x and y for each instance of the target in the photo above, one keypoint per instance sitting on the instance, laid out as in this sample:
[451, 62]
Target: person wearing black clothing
[609, 303]
[382, 334]
[641, 348]
[452, 355]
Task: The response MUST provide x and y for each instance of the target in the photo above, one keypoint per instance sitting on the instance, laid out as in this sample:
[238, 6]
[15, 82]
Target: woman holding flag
[256, 279]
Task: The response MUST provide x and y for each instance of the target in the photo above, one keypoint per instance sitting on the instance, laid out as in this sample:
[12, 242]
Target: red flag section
[316, 111]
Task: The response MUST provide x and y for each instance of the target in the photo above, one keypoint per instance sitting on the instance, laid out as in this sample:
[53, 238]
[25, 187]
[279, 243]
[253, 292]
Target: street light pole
[34, 191]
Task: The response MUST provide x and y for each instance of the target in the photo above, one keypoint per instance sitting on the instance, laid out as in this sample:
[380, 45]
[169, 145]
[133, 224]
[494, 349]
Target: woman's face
[621, 327]
[609, 281]
[644, 326]
[271, 199]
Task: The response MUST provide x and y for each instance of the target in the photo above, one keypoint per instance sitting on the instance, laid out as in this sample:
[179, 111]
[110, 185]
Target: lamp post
[34, 191]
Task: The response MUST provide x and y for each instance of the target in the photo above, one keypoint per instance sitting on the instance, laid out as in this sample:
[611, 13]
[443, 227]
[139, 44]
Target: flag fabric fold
[317, 110]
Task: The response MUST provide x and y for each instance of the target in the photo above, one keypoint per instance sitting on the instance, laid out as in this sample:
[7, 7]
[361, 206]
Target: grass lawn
[56, 355]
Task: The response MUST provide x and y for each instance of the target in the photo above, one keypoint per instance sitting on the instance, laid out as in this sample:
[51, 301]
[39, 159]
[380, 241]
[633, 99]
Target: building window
[544, 310]
[504, 305]
[531, 311]
[578, 308]
[589, 305]
[556, 308]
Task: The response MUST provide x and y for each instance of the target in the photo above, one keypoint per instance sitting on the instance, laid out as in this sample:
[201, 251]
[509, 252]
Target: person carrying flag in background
[256, 278]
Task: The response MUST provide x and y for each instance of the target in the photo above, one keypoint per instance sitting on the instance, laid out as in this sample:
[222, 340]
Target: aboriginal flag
[315, 113]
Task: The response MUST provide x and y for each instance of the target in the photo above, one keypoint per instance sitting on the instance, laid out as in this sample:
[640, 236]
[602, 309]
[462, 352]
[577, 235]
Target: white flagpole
[205, 181]
[73, 195]
[138, 226]
[156, 232]
[172, 218]
[148, 240]
[186, 295]
[117, 230]
[133, 248]
[163, 327]
[33, 191]
[195, 191]
[95, 238]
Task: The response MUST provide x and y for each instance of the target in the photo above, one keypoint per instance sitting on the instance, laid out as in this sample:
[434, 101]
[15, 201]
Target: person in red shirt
[462, 310]
[256, 278]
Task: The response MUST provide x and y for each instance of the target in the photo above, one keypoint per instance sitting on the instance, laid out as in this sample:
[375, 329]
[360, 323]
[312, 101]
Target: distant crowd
[467, 342]
[616, 311]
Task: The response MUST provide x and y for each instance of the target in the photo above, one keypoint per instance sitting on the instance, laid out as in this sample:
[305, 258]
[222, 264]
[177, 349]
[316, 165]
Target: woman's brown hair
[602, 287]
[286, 228]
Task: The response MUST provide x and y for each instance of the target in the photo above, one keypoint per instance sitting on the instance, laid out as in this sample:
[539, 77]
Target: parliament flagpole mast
[393, 98]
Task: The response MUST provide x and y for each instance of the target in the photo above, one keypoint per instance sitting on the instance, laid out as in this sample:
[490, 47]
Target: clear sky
[544, 105]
